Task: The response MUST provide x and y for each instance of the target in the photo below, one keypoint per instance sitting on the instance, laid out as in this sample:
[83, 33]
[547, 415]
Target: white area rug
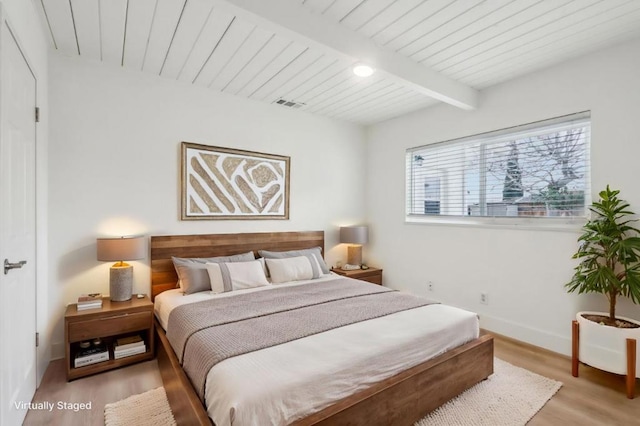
[511, 396]
[150, 408]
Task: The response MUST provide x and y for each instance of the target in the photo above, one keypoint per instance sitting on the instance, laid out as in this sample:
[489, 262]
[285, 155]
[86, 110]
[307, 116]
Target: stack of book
[128, 346]
[91, 355]
[89, 301]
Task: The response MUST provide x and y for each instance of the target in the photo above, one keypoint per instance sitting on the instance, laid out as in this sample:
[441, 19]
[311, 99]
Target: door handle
[9, 266]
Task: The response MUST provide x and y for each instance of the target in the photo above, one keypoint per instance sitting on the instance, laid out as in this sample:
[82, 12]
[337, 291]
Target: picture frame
[228, 183]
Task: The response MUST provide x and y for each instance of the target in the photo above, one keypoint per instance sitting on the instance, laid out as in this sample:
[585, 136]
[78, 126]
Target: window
[534, 171]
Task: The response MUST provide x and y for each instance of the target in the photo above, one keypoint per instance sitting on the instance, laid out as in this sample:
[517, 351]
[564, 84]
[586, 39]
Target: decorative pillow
[264, 266]
[292, 269]
[192, 272]
[315, 252]
[230, 276]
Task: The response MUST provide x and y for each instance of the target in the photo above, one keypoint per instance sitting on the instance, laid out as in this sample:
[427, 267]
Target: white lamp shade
[119, 249]
[354, 234]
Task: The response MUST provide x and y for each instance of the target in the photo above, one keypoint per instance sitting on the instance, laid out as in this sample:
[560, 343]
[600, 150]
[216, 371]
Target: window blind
[537, 170]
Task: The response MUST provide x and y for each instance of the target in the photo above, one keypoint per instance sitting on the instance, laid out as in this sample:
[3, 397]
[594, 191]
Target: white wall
[24, 22]
[114, 167]
[523, 271]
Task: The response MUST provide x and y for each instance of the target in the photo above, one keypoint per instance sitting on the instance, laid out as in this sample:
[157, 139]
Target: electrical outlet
[430, 286]
[484, 298]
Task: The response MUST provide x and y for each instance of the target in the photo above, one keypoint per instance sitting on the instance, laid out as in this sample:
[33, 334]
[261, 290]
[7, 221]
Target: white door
[17, 229]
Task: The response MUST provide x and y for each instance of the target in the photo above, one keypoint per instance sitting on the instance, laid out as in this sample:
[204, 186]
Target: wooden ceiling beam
[291, 19]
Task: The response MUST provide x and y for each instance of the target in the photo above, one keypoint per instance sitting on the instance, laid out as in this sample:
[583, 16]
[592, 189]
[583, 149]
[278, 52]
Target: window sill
[573, 225]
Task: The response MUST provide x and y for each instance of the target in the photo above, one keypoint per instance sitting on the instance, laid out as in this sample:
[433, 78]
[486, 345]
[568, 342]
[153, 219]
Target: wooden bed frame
[399, 400]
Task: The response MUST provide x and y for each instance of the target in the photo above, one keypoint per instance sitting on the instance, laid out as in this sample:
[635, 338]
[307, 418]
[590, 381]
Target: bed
[350, 381]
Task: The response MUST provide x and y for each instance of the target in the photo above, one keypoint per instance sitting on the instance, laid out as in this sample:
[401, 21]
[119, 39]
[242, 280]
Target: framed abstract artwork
[226, 183]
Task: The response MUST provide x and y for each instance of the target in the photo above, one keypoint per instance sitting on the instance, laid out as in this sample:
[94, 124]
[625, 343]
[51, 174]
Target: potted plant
[609, 256]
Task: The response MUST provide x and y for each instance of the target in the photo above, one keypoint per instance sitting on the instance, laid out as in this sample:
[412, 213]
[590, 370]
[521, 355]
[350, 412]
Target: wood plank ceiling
[218, 44]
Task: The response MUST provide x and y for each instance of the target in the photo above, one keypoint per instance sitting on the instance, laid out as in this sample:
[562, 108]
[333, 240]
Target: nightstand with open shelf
[112, 321]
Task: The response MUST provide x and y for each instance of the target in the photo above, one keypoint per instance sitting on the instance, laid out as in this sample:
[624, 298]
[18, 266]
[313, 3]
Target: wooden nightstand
[372, 275]
[113, 320]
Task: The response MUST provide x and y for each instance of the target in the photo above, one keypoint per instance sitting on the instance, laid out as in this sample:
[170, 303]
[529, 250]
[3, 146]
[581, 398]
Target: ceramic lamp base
[354, 255]
[120, 283]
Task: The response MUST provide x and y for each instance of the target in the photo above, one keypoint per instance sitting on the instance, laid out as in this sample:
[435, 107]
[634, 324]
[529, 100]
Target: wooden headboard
[163, 274]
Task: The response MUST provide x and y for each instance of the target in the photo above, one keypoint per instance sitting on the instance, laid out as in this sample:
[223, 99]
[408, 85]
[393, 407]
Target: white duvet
[280, 384]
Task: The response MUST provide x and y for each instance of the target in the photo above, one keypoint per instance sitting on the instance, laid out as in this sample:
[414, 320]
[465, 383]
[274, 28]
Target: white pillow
[315, 252]
[264, 266]
[230, 276]
[192, 274]
[290, 269]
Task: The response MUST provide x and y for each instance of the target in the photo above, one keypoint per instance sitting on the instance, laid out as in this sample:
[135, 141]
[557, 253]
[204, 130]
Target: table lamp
[355, 236]
[121, 273]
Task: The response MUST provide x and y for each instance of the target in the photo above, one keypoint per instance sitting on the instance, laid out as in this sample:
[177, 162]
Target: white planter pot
[605, 347]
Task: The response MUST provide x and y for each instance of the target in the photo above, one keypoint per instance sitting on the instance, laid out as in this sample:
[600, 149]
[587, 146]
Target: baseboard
[523, 333]
[57, 351]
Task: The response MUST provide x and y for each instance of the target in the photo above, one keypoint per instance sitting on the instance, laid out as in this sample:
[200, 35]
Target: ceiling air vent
[290, 104]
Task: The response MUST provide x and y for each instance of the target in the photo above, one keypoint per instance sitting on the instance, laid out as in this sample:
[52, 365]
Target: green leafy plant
[609, 253]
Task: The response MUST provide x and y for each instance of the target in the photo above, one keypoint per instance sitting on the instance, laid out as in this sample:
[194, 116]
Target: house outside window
[538, 172]
[432, 195]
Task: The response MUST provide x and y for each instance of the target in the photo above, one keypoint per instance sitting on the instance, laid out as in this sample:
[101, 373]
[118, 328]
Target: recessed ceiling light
[362, 70]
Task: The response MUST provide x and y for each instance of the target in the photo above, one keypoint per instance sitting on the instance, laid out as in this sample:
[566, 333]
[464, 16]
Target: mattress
[282, 383]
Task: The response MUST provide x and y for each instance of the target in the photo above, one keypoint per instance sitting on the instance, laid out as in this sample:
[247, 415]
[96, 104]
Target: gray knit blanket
[205, 333]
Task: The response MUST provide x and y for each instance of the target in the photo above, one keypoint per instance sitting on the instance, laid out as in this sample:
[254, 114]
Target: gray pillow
[192, 272]
[315, 251]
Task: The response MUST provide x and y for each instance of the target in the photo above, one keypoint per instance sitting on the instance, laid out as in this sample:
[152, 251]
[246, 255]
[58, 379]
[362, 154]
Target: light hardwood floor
[100, 389]
[595, 398]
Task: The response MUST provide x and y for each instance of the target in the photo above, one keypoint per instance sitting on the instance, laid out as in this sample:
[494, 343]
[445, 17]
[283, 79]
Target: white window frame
[573, 223]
